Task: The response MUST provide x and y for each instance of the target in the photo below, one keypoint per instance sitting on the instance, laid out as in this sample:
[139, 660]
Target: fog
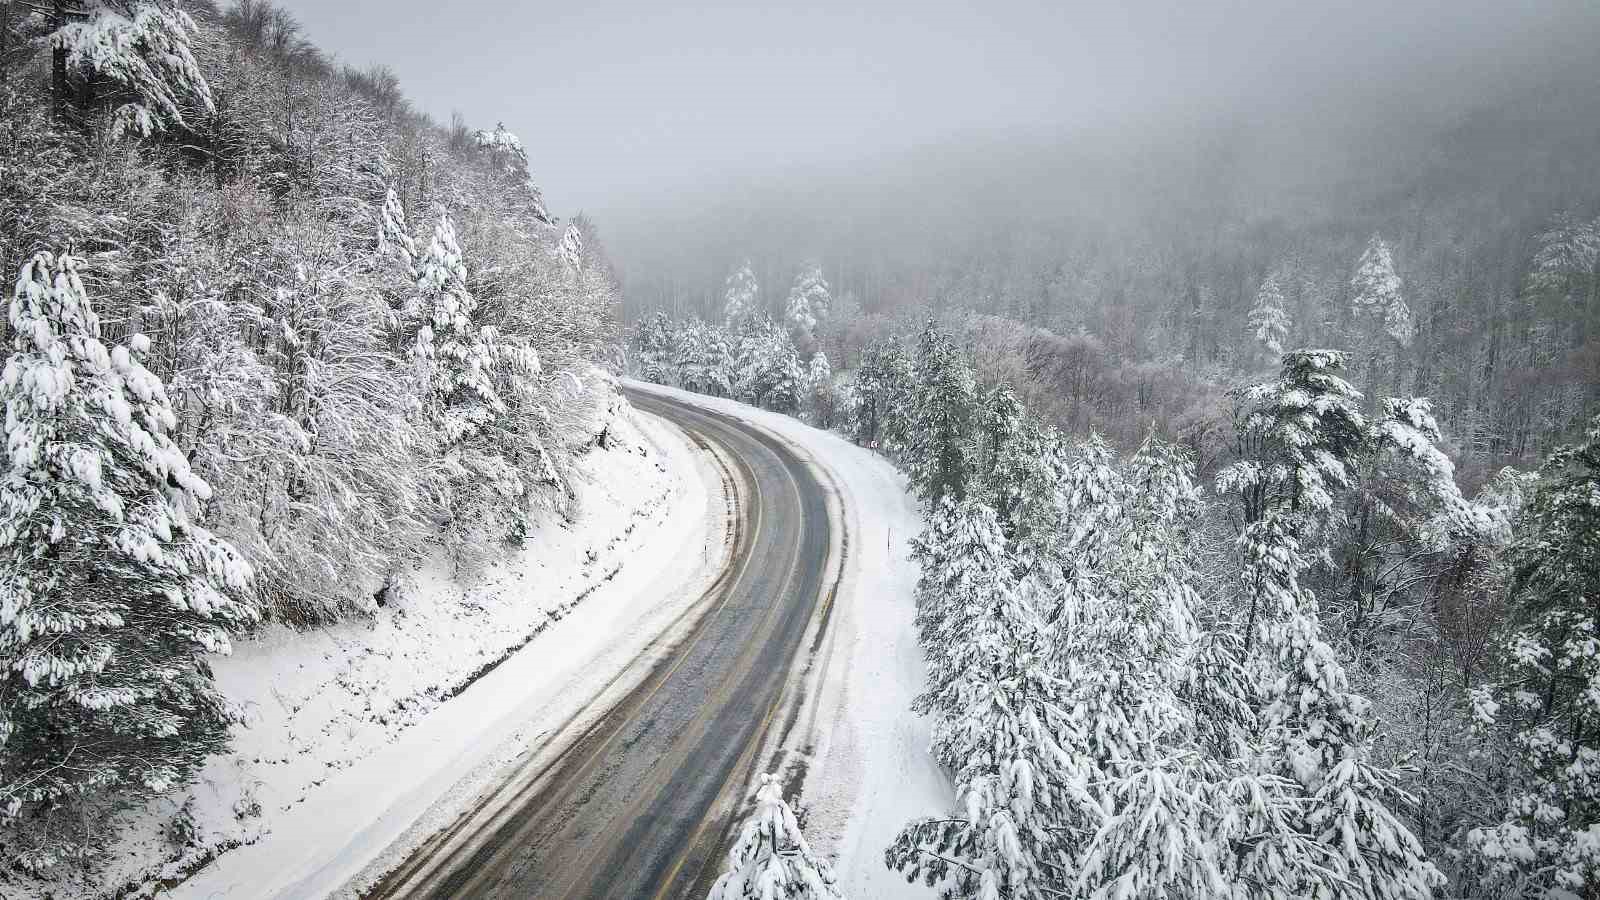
[623, 100]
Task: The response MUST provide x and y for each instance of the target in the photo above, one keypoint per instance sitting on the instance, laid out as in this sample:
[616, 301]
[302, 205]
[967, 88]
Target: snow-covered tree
[821, 398]
[1152, 796]
[655, 351]
[571, 247]
[462, 399]
[144, 49]
[1548, 698]
[1299, 439]
[807, 307]
[771, 859]
[936, 439]
[469, 371]
[996, 722]
[739, 297]
[1376, 295]
[1269, 321]
[879, 385]
[110, 594]
[705, 359]
[1569, 251]
[508, 158]
[768, 367]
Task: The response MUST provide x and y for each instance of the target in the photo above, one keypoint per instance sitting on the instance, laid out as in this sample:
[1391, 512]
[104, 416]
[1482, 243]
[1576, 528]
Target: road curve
[634, 807]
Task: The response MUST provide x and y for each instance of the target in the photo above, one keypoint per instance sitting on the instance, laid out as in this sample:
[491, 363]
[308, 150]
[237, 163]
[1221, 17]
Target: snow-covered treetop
[771, 860]
[500, 141]
[1300, 432]
[147, 54]
[509, 159]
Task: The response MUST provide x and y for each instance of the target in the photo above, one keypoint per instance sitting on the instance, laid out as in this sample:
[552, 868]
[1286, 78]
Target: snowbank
[365, 735]
[858, 753]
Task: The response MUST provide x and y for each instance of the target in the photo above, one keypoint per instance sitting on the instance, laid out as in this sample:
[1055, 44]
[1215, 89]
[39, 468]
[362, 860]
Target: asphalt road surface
[636, 806]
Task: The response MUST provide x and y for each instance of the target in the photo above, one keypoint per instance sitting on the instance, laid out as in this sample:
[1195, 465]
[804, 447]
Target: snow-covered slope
[859, 754]
[359, 730]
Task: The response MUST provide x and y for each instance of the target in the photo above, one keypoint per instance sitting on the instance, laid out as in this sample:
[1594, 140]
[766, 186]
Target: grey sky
[617, 97]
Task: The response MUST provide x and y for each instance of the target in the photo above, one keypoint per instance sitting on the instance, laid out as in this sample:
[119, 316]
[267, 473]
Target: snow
[864, 754]
[374, 732]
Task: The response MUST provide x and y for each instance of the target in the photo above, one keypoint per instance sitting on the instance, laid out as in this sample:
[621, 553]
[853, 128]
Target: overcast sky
[614, 97]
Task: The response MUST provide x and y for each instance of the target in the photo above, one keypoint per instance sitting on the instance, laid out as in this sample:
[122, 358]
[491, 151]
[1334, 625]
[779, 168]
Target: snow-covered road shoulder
[857, 752]
[365, 736]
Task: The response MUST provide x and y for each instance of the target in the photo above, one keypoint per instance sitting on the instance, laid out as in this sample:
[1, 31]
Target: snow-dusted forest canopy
[1120, 276]
[274, 336]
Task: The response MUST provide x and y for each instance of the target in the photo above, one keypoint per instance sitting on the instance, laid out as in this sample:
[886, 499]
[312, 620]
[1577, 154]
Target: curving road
[635, 807]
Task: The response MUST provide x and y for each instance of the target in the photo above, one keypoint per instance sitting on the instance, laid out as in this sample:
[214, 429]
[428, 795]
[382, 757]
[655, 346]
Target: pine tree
[1299, 440]
[1376, 294]
[821, 400]
[508, 159]
[1269, 321]
[996, 724]
[462, 399]
[877, 414]
[655, 350]
[1150, 794]
[110, 595]
[144, 49]
[807, 307]
[771, 859]
[1548, 698]
[739, 297]
[1384, 322]
[768, 365]
[936, 441]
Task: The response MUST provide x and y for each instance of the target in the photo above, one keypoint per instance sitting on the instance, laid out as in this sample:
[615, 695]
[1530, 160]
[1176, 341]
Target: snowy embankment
[857, 752]
[365, 735]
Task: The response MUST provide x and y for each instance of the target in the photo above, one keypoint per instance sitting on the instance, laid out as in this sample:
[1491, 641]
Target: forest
[1253, 629]
[1257, 452]
[274, 335]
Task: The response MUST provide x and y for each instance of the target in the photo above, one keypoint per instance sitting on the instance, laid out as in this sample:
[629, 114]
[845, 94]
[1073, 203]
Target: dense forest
[1324, 670]
[274, 336]
[1260, 525]
[1120, 277]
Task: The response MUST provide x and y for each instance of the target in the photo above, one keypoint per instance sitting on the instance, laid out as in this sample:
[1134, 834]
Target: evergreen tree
[1300, 439]
[878, 413]
[739, 297]
[462, 400]
[1548, 700]
[768, 367]
[704, 360]
[807, 307]
[110, 595]
[936, 441]
[771, 859]
[655, 350]
[1269, 321]
[821, 400]
[1384, 322]
[144, 49]
[996, 725]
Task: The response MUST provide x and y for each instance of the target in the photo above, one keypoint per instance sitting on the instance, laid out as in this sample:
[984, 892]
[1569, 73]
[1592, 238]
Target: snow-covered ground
[859, 753]
[359, 731]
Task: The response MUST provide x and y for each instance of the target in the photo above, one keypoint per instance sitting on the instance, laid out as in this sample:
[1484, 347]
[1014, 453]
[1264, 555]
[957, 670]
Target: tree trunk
[5, 43]
[59, 90]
